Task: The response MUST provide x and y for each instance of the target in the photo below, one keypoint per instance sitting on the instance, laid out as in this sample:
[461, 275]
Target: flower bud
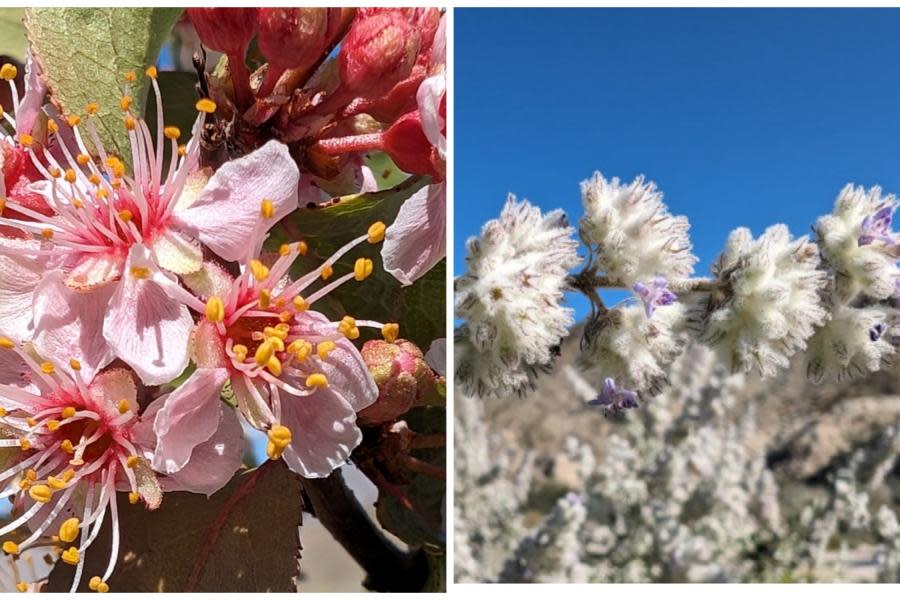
[296, 37]
[226, 30]
[378, 52]
[403, 378]
[406, 144]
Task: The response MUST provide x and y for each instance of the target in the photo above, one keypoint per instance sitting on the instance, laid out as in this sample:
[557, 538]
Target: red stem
[351, 143]
[240, 77]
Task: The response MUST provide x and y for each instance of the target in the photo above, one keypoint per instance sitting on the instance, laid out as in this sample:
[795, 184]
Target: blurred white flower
[510, 299]
[638, 238]
[857, 242]
[631, 349]
[767, 303]
[854, 342]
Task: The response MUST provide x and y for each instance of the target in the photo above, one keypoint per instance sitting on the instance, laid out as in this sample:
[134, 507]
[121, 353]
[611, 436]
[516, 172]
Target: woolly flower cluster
[636, 236]
[857, 242]
[510, 298]
[767, 303]
[854, 342]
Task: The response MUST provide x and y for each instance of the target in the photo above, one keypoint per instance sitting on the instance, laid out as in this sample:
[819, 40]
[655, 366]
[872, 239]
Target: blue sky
[742, 117]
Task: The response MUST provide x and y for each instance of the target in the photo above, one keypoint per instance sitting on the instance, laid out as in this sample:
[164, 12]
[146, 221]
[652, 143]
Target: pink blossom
[294, 373]
[107, 227]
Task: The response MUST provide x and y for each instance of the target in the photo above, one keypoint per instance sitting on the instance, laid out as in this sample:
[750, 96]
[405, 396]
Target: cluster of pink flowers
[119, 275]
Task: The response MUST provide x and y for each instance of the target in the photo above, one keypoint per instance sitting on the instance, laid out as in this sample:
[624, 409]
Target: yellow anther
[40, 493]
[215, 309]
[132, 461]
[103, 587]
[284, 250]
[92, 108]
[267, 209]
[317, 380]
[3, 412]
[126, 215]
[26, 139]
[352, 333]
[279, 439]
[259, 270]
[116, 166]
[125, 102]
[240, 352]
[1, 111]
[324, 348]
[74, 364]
[124, 406]
[182, 150]
[8, 72]
[67, 446]
[31, 421]
[299, 303]
[130, 123]
[52, 425]
[102, 193]
[24, 443]
[390, 331]
[22, 586]
[68, 531]
[283, 328]
[68, 475]
[24, 484]
[56, 483]
[70, 556]
[52, 126]
[270, 332]
[73, 120]
[276, 343]
[151, 72]
[140, 272]
[265, 298]
[327, 271]
[285, 316]
[130, 77]
[70, 176]
[172, 132]
[376, 232]
[83, 159]
[48, 368]
[301, 349]
[363, 268]
[302, 248]
[78, 203]
[68, 412]
[6, 343]
[10, 547]
[55, 173]
[96, 584]
[265, 351]
[47, 233]
[274, 366]
[133, 497]
[95, 179]
[205, 105]
[31, 474]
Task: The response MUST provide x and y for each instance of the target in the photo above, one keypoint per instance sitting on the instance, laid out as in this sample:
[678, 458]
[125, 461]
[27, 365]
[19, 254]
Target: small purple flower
[877, 331]
[877, 226]
[615, 399]
[655, 294]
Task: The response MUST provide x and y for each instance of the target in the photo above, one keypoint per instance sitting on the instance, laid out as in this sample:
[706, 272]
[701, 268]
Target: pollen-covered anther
[240, 352]
[300, 303]
[8, 72]
[3, 412]
[68, 531]
[31, 421]
[83, 159]
[126, 215]
[70, 176]
[182, 150]
[26, 139]
[70, 556]
[323, 349]
[363, 268]
[124, 406]
[56, 483]
[116, 166]
[24, 443]
[376, 232]
[48, 368]
[67, 446]
[22, 586]
[300, 349]
[279, 439]
[6, 343]
[133, 497]
[96, 584]
[74, 364]
[132, 461]
[47, 233]
[265, 298]
[92, 108]
[68, 412]
[73, 120]
[125, 102]
[151, 72]
[390, 331]
[94, 179]
[52, 126]
[52, 425]
[10, 547]
[130, 123]
[274, 366]
[215, 309]
[327, 271]
[172, 132]
[264, 352]
[140, 272]
[130, 77]
[40, 493]
[205, 105]
[279, 331]
[259, 270]
[267, 209]
[317, 380]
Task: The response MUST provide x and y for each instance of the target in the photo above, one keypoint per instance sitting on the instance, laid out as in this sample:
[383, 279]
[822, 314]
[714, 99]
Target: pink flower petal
[111, 387]
[30, 105]
[95, 270]
[214, 462]
[189, 416]
[177, 253]
[145, 326]
[429, 98]
[355, 178]
[436, 357]
[20, 273]
[66, 324]
[324, 432]
[226, 217]
[416, 241]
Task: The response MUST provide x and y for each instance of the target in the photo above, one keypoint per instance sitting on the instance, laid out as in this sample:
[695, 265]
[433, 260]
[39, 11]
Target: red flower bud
[406, 144]
[403, 378]
[378, 52]
[292, 38]
[226, 30]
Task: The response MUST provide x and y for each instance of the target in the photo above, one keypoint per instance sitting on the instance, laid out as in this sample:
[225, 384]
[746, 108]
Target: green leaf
[245, 538]
[419, 308]
[424, 525]
[12, 33]
[387, 174]
[85, 52]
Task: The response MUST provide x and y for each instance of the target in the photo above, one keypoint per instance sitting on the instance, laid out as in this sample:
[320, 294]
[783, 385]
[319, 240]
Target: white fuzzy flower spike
[638, 238]
[510, 298]
[854, 342]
